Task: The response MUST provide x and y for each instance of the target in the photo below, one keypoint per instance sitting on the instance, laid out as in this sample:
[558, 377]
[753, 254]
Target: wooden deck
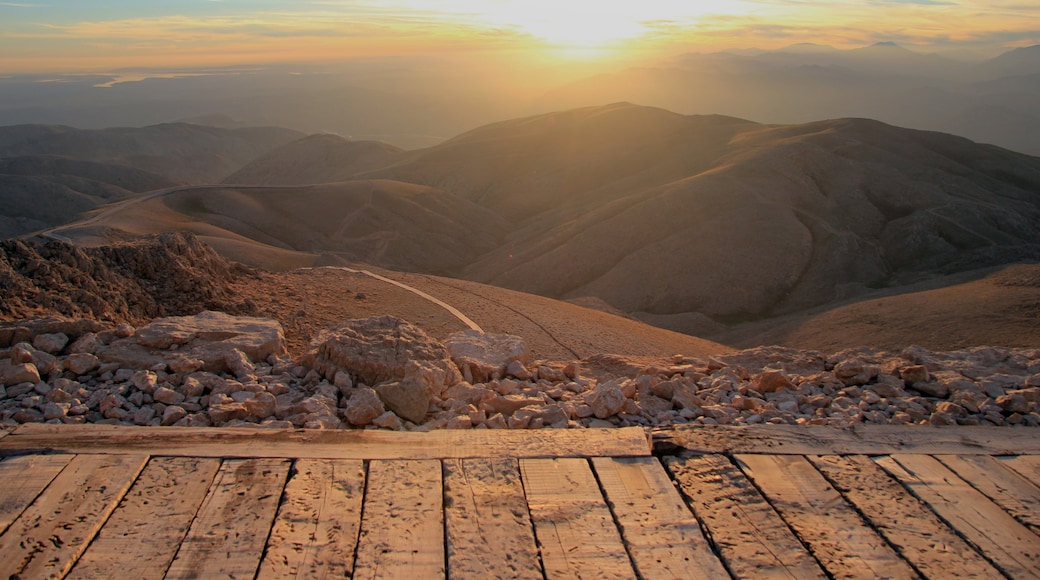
[769, 501]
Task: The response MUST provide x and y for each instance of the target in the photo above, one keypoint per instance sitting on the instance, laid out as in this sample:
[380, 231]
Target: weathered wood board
[931, 546]
[864, 439]
[316, 530]
[142, 536]
[488, 525]
[227, 538]
[1007, 543]
[24, 478]
[1008, 489]
[841, 541]
[662, 536]
[402, 529]
[748, 533]
[326, 444]
[56, 528]
[572, 522]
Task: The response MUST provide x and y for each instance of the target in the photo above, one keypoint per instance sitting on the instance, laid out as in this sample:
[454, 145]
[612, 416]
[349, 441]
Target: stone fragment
[224, 412]
[388, 420]
[485, 356]
[855, 372]
[606, 399]
[915, 374]
[363, 407]
[143, 415]
[81, 363]
[469, 394]
[50, 343]
[172, 414]
[145, 381]
[408, 400]
[14, 374]
[168, 396]
[771, 381]
[516, 369]
[376, 350]
[509, 404]
[260, 405]
[53, 411]
[85, 344]
[239, 364]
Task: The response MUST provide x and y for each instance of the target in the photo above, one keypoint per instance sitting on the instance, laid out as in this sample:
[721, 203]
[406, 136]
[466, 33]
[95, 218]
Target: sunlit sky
[95, 35]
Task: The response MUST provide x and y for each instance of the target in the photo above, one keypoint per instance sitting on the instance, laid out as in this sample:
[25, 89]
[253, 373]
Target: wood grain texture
[488, 525]
[1007, 543]
[326, 444]
[747, 532]
[402, 530]
[227, 538]
[53, 532]
[931, 546]
[1005, 487]
[316, 530]
[841, 541]
[572, 522]
[141, 538]
[22, 479]
[863, 439]
[662, 535]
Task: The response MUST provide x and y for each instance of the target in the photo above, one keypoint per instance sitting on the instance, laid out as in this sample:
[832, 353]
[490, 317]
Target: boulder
[606, 399]
[363, 407]
[50, 343]
[81, 363]
[380, 349]
[408, 400]
[484, 356]
[14, 374]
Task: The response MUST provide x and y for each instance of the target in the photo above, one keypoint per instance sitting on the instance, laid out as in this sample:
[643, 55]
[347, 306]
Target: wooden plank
[663, 537]
[935, 550]
[1028, 466]
[326, 444]
[22, 479]
[572, 521]
[1007, 543]
[747, 532]
[142, 536]
[50, 535]
[1006, 488]
[5, 430]
[227, 538]
[841, 541]
[316, 531]
[487, 523]
[863, 439]
[402, 530]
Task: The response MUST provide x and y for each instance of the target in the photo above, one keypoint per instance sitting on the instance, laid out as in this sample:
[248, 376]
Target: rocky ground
[115, 335]
[215, 369]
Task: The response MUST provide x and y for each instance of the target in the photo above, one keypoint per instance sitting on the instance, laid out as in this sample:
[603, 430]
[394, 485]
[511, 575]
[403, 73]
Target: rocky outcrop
[483, 356]
[166, 275]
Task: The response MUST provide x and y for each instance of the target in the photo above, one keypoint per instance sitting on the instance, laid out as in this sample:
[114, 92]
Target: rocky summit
[215, 369]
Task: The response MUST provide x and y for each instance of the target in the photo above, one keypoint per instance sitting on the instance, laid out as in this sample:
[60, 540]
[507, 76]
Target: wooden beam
[141, 538]
[316, 530]
[572, 521]
[24, 478]
[935, 550]
[662, 535]
[747, 532]
[326, 444]
[864, 439]
[488, 525]
[1007, 543]
[402, 529]
[841, 541]
[1028, 466]
[227, 538]
[46, 540]
[1017, 495]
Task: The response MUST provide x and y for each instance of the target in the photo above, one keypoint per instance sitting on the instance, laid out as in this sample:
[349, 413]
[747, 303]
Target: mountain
[177, 151]
[391, 224]
[321, 158]
[669, 218]
[803, 83]
[42, 191]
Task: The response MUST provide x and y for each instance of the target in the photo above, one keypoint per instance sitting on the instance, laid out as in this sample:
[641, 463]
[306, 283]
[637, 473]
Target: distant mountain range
[696, 223]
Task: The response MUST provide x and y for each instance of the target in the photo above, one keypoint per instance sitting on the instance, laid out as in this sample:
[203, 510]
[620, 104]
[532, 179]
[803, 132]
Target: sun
[575, 24]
